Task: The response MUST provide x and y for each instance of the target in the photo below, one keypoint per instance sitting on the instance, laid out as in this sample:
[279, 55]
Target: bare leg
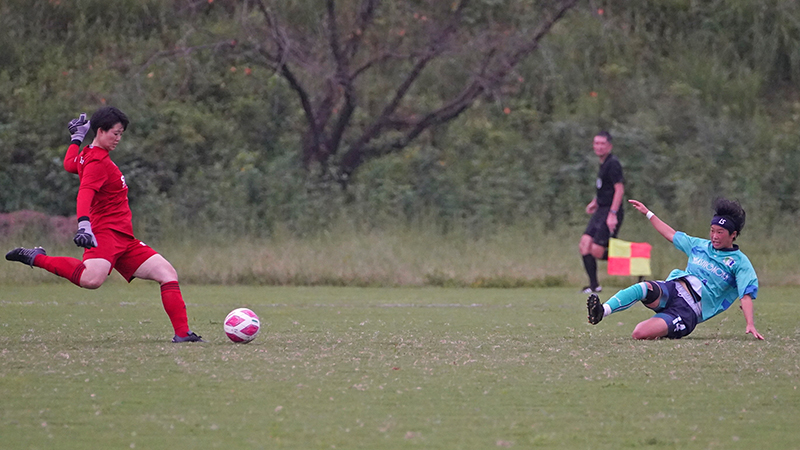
[96, 273]
[652, 328]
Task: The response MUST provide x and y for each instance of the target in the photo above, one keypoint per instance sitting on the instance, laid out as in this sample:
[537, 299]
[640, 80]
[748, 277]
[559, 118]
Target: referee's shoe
[589, 289]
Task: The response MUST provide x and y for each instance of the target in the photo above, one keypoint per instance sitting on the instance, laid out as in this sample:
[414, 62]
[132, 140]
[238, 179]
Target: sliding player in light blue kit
[716, 274]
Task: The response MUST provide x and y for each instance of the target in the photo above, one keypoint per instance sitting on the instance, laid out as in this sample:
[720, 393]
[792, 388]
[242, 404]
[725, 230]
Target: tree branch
[479, 84]
[182, 51]
[279, 62]
[344, 80]
[333, 69]
[376, 60]
[364, 18]
[543, 28]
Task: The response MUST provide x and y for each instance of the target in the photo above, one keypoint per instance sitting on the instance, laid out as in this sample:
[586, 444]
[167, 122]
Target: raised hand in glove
[79, 127]
[84, 237]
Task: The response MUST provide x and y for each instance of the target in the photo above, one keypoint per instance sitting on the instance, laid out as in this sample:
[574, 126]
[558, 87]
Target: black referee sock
[591, 269]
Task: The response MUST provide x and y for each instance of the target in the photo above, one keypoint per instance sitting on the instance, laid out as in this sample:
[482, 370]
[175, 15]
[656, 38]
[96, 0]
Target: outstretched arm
[71, 158]
[77, 129]
[747, 309]
[667, 231]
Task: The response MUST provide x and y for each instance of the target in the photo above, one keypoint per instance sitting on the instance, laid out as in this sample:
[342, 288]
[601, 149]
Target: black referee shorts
[598, 229]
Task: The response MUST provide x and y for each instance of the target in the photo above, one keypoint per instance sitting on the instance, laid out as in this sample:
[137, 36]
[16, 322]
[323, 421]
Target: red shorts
[125, 253]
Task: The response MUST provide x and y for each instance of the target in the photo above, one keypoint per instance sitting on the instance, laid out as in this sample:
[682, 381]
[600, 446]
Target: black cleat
[191, 337]
[25, 255]
[595, 308]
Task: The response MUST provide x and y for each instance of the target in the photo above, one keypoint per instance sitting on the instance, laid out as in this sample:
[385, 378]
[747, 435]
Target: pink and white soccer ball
[242, 325]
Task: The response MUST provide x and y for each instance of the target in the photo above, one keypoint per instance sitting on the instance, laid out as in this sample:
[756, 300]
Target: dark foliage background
[701, 98]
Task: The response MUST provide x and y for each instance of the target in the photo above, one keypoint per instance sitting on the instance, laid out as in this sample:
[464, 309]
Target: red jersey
[104, 184]
[71, 158]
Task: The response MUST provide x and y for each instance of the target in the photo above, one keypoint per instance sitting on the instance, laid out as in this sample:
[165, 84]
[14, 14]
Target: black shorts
[598, 229]
[679, 316]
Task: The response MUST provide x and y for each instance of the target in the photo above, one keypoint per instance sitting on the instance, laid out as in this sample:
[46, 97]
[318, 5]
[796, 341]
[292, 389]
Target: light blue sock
[625, 298]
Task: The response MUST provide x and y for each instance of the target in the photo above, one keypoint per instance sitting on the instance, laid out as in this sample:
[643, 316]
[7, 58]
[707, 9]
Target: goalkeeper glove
[84, 237]
[79, 127]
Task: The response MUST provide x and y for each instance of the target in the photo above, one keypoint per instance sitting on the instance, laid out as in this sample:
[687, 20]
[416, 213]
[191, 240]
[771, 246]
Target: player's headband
[725, 222]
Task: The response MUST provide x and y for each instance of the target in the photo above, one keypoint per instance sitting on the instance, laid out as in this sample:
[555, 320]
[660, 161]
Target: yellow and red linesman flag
[628, 258]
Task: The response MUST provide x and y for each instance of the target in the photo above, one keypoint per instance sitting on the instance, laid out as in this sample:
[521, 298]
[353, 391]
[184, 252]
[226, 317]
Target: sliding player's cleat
[25, 255]
[595, 308]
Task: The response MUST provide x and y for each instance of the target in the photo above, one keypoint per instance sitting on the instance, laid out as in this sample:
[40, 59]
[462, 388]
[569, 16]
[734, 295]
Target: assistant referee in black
[605, 209]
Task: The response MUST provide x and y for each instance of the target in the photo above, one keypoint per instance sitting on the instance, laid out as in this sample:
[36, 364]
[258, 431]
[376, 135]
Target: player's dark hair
[606, 135]
[730, 208]
[108, 116]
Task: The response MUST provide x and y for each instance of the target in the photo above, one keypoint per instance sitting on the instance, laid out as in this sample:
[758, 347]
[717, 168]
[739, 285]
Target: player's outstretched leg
[595, 308]
[63, 266]
[25, 255]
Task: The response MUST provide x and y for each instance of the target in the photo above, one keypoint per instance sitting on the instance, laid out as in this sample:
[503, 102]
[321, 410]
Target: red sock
[63, 266]
[175, 307]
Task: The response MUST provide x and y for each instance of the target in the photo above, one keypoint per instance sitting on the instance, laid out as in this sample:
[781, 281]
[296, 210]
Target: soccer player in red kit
[105, 229]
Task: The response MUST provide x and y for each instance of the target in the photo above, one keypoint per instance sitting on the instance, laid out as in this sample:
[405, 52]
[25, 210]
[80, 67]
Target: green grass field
[386, 368]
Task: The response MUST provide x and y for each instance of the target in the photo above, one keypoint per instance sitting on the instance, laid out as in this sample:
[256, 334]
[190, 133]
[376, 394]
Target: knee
[585, 245]
[653, 328]
[652, 294]
[91, 282]
[640, 334]
[157, 269]
[93, 278]
[172, 276]
[166, 274]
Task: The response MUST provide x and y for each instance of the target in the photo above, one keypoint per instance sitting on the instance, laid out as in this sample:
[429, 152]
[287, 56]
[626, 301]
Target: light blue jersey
[726, 275]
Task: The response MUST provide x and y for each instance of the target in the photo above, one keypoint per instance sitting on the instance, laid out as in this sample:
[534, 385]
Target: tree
[359, 67]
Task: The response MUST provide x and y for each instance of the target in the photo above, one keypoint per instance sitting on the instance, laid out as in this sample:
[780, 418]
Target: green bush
[700, 97]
